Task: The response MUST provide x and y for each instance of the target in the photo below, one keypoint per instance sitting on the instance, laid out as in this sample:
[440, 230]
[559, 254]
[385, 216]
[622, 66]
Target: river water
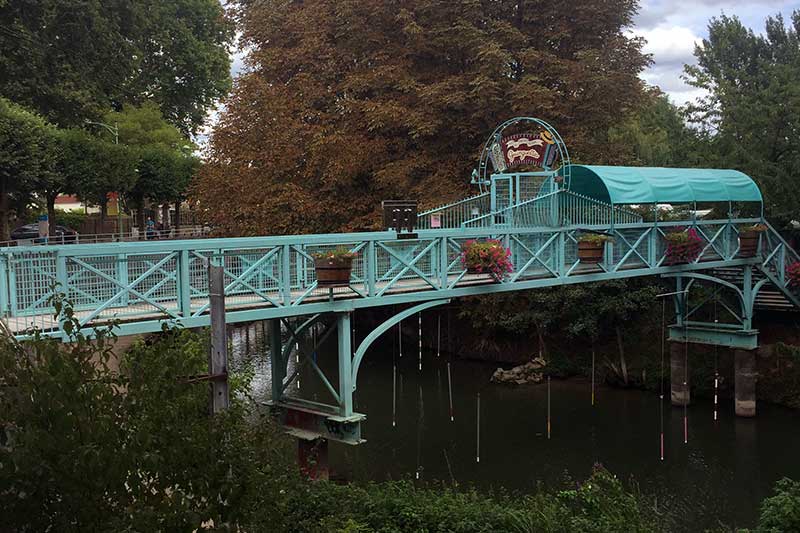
[724, 471]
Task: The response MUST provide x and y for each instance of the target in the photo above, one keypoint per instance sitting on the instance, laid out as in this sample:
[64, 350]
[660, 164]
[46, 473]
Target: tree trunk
[140, 217]
[51, 213]
[165, 215]
[542, 346]
[622, 364]
[177, 215]
[5, 231]
[103, 214]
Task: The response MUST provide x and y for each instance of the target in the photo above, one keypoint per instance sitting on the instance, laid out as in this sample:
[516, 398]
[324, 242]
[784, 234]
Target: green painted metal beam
[713, 335]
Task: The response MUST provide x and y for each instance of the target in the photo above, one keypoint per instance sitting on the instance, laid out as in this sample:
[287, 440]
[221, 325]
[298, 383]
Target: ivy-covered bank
[86, 447]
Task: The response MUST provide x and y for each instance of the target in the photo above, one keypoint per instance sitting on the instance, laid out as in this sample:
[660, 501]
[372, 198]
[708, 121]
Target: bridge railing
[168, 280]
[455, 214]
[556, 208]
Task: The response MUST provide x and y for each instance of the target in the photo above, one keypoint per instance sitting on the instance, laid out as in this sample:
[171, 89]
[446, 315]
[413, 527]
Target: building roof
[647, 185]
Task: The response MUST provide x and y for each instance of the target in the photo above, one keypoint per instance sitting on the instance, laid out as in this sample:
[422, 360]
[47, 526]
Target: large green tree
[27, 156]
[751, 115]
[347, 103]
[165, 160]
[73, 59]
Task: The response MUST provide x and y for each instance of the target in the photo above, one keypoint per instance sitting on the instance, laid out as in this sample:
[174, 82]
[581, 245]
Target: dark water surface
[722, 474]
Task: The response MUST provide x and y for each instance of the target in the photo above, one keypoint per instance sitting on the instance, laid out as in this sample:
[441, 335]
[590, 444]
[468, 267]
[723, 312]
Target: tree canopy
[751, 116]
[347, 103]
[74, 59]
[27, 158]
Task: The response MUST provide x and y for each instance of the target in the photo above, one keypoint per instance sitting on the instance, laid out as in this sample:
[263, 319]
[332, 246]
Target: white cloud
[672, 27]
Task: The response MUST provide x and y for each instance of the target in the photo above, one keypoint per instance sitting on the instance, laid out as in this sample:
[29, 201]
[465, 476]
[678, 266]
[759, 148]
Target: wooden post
[218, 358]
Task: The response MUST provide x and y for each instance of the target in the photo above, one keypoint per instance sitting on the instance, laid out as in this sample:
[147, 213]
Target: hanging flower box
[748, 239]
[591, 247]
[793, 275]
[683, 246]
[333, 267]
[487, 257]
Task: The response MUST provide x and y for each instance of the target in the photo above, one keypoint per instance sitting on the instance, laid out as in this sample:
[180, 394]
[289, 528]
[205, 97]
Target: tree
[165, 162]
[657, 135]
[347, 103]
[93, 168]
[751, 115]
[74, 59]
[27, 156]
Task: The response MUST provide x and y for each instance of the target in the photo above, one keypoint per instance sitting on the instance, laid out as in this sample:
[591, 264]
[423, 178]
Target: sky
[672, 27]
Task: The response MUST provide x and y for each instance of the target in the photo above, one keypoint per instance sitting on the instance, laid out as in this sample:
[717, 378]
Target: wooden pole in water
[400, 336]
[686, 383]
[661, 380]
[478, 447]
[419, 335]
[394, 395]
[450, 391]
[549, 426]
[592, 373]
[438, 334]
[218, 358]
[716, 367]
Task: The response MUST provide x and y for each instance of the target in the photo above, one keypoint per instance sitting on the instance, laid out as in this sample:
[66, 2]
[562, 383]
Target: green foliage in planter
[759, 228]
[337, 256]
[595, 238]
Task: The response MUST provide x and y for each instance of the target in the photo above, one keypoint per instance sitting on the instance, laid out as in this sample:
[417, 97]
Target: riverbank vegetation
[89, 445]
[620, 323]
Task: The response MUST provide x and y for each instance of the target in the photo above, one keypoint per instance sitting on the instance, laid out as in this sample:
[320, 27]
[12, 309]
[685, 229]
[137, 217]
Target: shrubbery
[95, 449]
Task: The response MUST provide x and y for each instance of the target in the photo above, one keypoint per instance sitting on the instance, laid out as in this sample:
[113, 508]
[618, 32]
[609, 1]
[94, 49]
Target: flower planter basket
[748, 243]
[591, 252]
[793, 275]
[683, 247]
[333, 272]
[487, 257]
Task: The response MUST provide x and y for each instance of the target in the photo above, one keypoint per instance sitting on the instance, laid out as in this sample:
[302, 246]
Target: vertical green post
[4, 311]
[652, 242]
[277, 364]
[286, 274]
[371, 268]
[61, 279]
[122, 276]
[680, 301]
[443, 262]
[345, 365]
[12, 286]
[747, 293]
[184, 285]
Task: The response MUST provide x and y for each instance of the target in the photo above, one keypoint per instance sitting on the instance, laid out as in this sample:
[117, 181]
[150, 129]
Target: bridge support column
[745, 382]
[679, 374]
[312, 456]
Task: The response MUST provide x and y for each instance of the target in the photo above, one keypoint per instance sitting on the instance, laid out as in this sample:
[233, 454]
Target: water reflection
[722, 473]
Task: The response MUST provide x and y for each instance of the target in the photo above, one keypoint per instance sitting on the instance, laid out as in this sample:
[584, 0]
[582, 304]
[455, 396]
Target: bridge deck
[142, 284]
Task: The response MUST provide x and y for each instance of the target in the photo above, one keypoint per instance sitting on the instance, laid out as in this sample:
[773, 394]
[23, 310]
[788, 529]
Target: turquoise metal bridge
[539, 215]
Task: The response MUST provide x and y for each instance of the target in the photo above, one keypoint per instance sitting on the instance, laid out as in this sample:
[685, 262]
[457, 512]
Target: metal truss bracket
[309, 421]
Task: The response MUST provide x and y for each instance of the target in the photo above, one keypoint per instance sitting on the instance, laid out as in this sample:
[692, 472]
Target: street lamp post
[114, 130]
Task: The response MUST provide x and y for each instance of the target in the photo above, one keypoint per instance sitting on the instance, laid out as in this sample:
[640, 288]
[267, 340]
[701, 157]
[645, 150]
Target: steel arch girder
[383, 328]
[745, 306]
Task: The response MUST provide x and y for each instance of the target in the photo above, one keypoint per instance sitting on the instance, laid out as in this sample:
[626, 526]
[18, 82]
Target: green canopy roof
[647, 185]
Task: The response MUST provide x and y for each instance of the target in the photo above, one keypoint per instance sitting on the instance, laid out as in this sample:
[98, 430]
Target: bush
[781, 512]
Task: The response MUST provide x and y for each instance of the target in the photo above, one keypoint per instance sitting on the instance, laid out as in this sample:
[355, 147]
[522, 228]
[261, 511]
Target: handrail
[454, 204]
[454, 214]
